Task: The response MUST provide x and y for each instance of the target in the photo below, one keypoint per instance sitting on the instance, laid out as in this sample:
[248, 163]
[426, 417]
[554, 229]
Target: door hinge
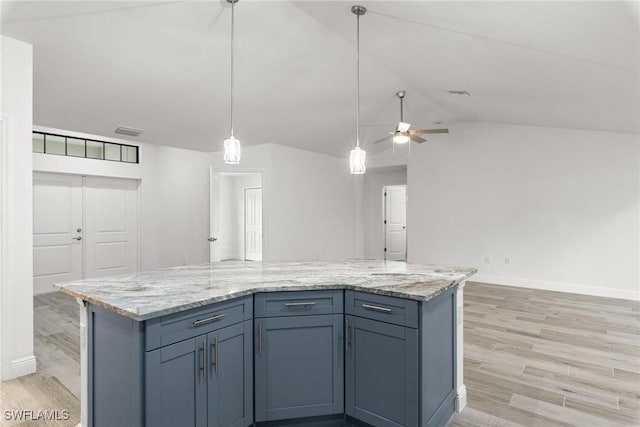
[385, 221]
[385, 249]
[385, 194]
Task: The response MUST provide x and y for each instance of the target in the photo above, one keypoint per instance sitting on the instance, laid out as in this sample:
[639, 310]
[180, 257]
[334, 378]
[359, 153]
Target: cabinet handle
[203, 356]
[348, 337]
[214, 346]
[260, 339]
[376, 308]
[299, 304]
[208, 319]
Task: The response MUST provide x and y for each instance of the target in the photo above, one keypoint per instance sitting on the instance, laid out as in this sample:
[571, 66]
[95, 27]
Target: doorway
[236, 217]
[83, 227]
[394, 202]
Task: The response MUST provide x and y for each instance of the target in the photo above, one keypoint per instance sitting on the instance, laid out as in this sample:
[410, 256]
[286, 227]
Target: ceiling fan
[403, 132]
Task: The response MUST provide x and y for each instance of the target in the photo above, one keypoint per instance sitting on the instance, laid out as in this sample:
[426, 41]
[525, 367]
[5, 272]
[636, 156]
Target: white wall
[173, 197]
[563, 205]
[308, 202]
[183, 206]
[373, 211]
[16, 261]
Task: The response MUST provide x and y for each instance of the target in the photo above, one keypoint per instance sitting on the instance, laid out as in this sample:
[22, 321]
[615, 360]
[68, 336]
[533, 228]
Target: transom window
[61, 145]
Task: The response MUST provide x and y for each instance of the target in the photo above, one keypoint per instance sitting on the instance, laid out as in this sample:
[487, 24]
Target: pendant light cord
[357, 80]
[233, 2]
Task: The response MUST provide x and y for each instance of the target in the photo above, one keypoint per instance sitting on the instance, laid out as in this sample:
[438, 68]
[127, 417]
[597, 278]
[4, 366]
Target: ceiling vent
[123, 130]
[459, 92]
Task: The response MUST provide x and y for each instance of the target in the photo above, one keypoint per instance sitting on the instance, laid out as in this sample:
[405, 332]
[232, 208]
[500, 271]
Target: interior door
[111, 226]
[253, 223]
[57, 230]
[395, 222]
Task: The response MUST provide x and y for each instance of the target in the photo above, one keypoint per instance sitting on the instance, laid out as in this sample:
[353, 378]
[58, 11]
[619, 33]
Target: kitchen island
[233, 343]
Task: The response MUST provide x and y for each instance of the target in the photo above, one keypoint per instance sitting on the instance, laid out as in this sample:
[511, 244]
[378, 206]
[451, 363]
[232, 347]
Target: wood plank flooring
[532, 358]
[542, 358]
[56, 384]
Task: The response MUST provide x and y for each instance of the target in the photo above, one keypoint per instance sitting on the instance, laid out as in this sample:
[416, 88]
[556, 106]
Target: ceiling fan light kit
[232, 150]
[400, 138]
[357, 163]
[403, 132]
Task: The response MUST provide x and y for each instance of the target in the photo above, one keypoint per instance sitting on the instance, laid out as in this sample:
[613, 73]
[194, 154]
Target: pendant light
[232, 145]
[357, 157]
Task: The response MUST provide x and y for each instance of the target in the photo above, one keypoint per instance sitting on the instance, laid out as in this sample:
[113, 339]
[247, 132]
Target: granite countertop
[150, 294]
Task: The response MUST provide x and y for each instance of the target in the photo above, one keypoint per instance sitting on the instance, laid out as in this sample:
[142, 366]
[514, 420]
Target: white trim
[598, 291]
[4, 128]
[84, 364]
[20, 367]
[461, 398]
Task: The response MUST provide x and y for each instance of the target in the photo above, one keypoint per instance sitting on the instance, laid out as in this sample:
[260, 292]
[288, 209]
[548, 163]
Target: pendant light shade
[232, 150]
[357, 163]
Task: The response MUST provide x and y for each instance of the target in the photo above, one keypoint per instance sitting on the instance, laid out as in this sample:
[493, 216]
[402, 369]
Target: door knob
[77, 238]
[212, 239]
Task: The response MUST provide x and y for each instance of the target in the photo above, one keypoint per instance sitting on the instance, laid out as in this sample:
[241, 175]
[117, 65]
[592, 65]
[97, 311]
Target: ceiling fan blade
[416, 138]
[423, 131]
[386, 138]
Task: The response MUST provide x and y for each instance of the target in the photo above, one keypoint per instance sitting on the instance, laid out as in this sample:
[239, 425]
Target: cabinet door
[382, 373]
[299, 366]
[176, 393]
[230, 387]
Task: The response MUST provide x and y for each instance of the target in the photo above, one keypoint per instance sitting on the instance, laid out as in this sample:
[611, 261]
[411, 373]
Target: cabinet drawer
[298, 303]
[398, 311]
[176, 327]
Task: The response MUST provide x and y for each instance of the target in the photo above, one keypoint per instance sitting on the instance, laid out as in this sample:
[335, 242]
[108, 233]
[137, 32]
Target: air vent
[459, 92]
[123, 130]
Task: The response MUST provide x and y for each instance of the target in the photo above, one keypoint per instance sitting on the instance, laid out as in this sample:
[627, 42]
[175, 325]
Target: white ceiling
[164, 67]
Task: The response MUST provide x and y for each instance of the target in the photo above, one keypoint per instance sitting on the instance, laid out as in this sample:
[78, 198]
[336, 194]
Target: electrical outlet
[507, 260]
[487, 260]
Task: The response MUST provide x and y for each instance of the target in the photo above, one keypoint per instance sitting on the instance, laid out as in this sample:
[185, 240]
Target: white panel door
[57, 230]
[253, 224]
[395, 209]
[111, 226]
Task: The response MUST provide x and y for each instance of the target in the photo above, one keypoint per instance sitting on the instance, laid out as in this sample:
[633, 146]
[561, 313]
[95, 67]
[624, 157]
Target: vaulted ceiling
[164, 67]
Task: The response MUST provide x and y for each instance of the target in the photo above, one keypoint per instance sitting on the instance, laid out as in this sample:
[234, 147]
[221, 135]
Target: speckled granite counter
[150, 294]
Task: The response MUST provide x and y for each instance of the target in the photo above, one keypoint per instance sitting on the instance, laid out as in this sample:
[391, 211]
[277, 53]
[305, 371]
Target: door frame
[384, 220]
[214, 208]
[244, 224]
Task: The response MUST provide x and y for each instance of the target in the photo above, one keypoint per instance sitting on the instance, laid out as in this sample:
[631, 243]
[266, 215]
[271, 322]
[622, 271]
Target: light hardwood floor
[532, 358]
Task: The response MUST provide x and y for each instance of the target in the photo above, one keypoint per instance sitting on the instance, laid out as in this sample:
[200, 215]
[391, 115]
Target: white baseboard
[20, 367]
[572, 288]
[461, 398]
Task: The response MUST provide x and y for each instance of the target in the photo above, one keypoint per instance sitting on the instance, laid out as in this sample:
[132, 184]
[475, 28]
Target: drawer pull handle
[299, 304]
[208, 319]
[376, 308]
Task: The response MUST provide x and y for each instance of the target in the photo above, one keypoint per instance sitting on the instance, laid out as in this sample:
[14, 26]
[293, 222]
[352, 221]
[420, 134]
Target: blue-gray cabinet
[382, 366]
[299, 356]
[400, 359]
[386, 361]
[203, 381]
[176, 385]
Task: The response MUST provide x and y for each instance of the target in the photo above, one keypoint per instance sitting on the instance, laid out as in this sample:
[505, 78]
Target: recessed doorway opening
[236, 217]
